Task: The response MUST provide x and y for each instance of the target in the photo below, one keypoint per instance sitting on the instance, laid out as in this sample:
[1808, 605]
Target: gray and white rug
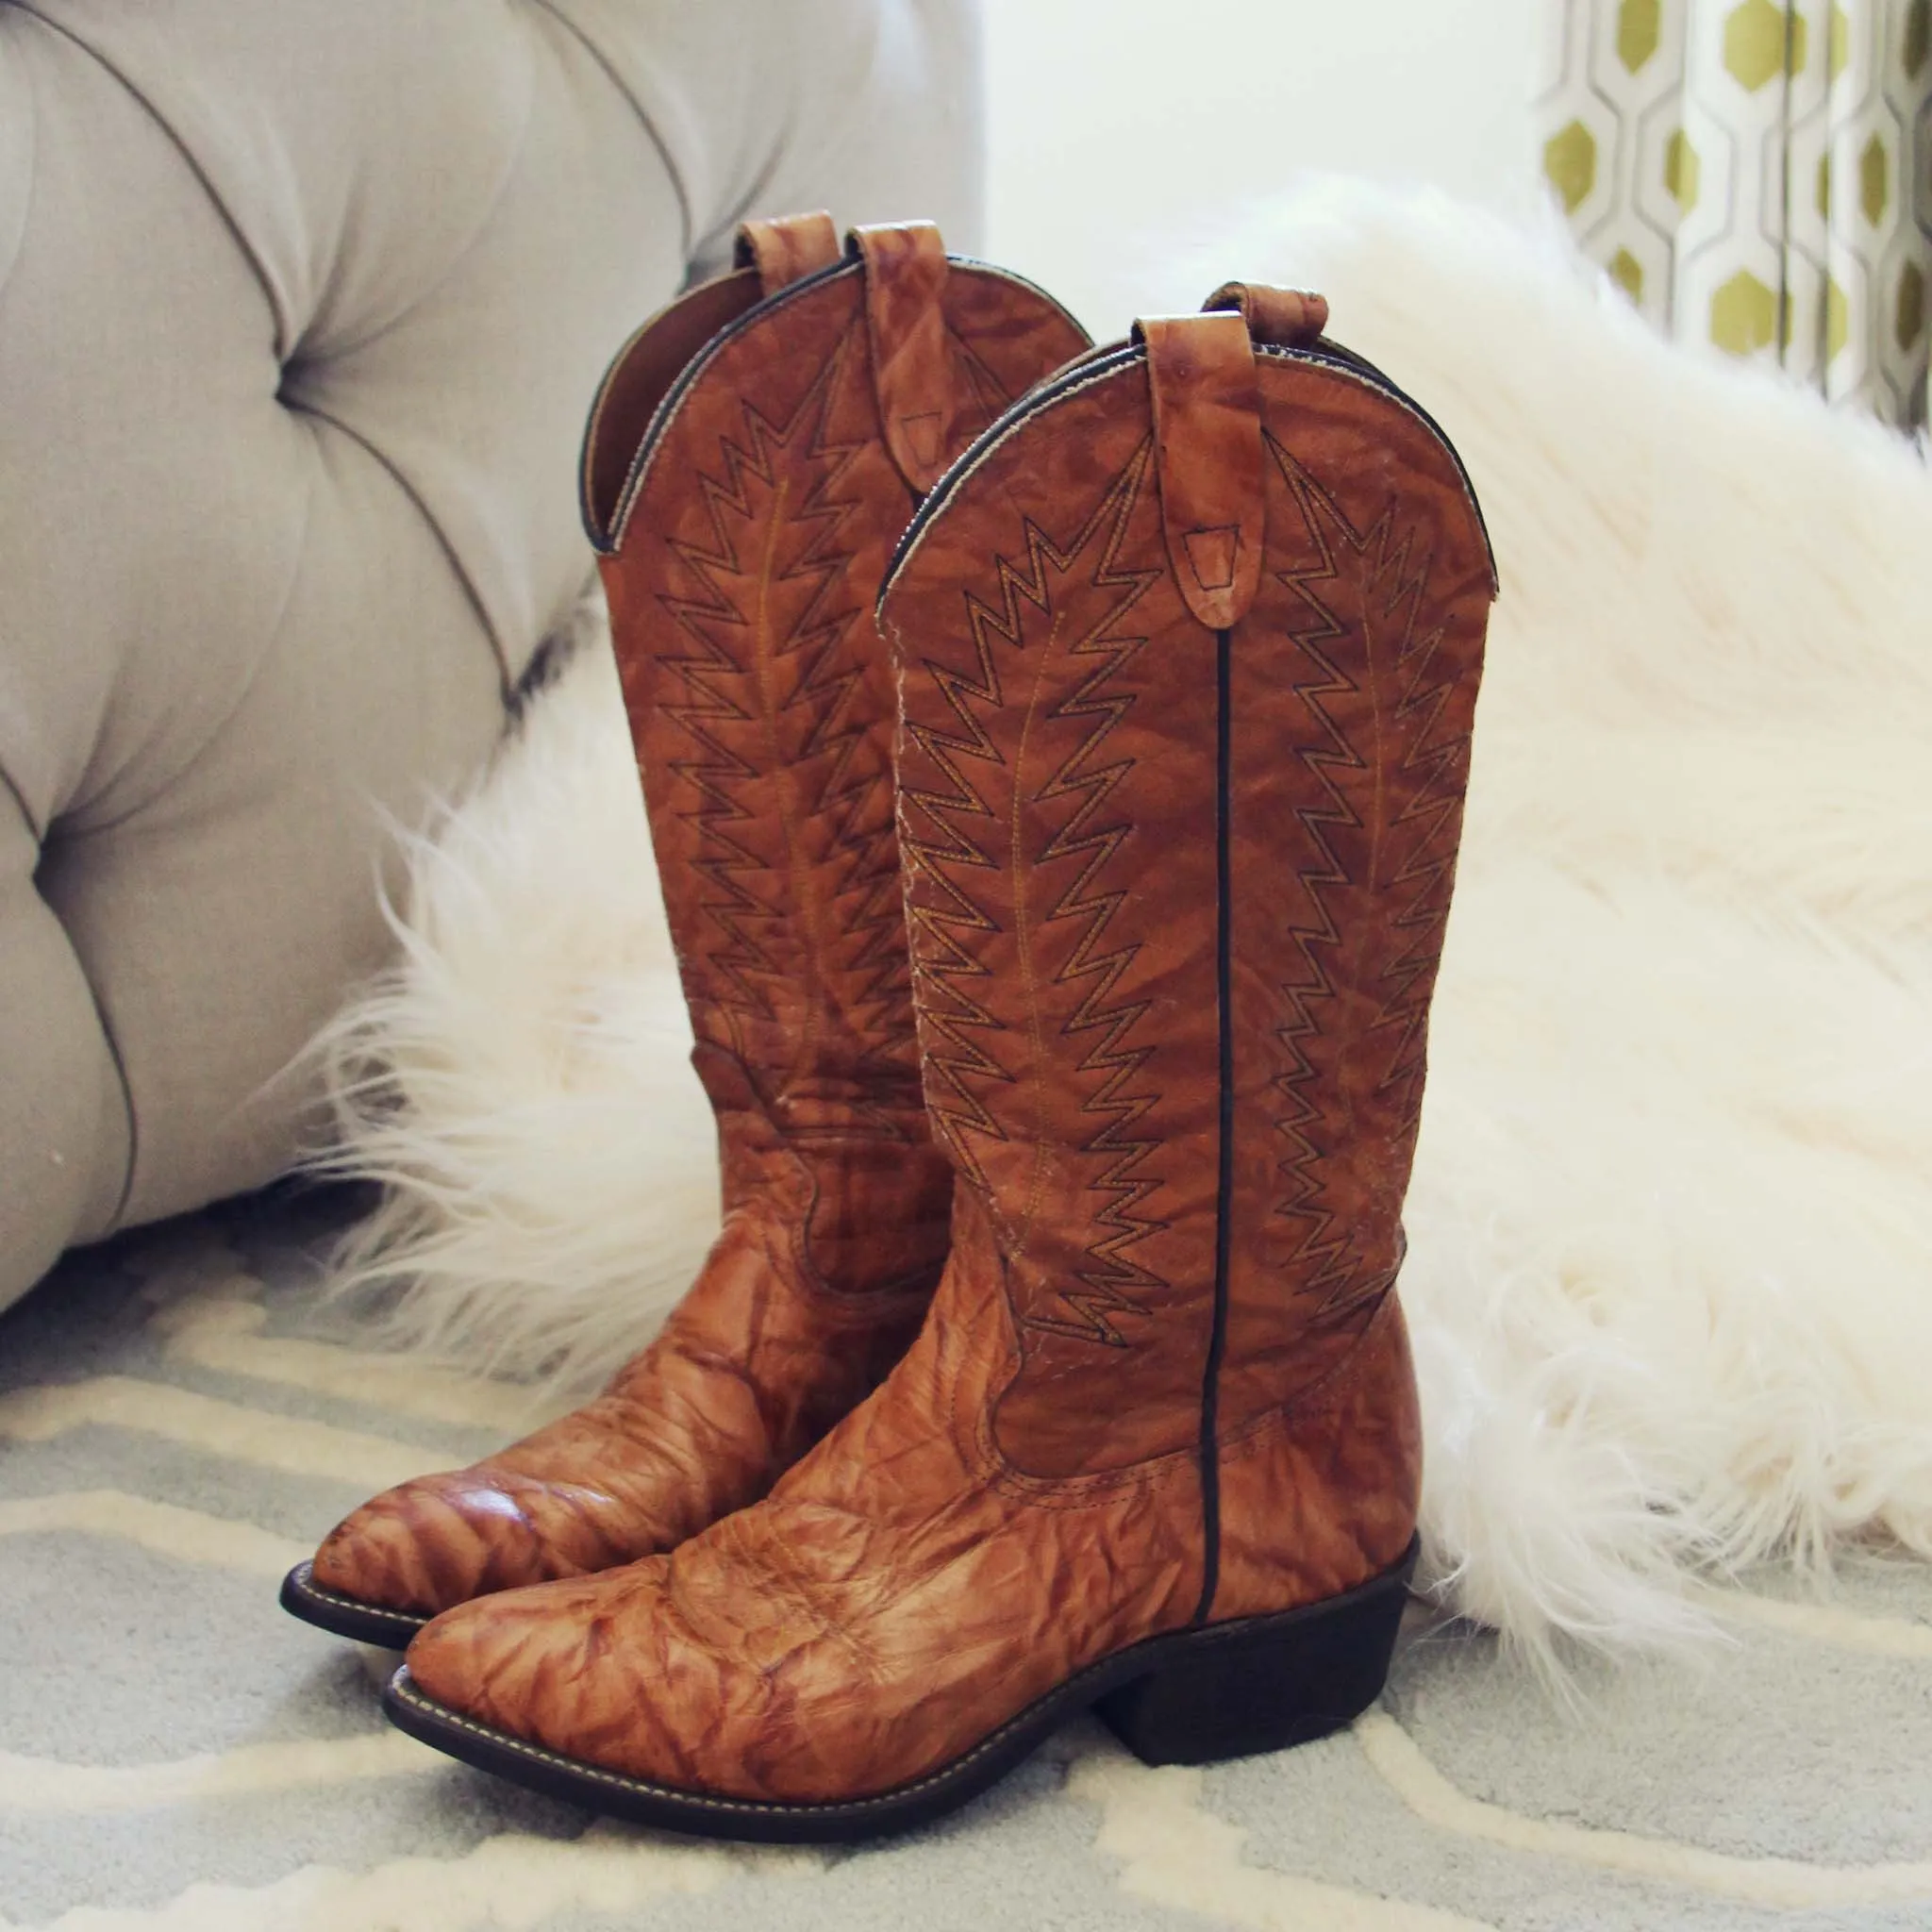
[177, 1427]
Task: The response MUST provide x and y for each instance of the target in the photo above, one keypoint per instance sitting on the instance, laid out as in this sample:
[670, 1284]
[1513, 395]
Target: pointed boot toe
[416, 1550]
[515, 1682]
[374, 1576]
[1188, 647]
[507, 1662]
[751, 458]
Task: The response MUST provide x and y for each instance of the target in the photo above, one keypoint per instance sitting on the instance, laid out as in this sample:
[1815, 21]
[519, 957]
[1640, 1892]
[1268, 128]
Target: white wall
[1118, 127]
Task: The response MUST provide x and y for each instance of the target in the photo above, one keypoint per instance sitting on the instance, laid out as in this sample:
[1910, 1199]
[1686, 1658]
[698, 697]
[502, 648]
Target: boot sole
[1193, 1697]
[346, 1616]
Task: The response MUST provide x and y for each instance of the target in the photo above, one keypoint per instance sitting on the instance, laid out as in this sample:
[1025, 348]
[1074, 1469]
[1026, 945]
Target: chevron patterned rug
[177, 1427]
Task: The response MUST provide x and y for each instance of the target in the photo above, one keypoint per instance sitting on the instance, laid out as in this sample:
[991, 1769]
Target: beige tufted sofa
[300, 308]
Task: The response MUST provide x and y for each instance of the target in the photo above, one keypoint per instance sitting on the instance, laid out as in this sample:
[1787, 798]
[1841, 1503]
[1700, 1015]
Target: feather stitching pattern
[1670, 1268]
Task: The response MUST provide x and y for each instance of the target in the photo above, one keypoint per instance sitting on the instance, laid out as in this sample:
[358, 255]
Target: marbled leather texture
[787, 248]
[756, 528]
[1207, 459]
[1025, 1494]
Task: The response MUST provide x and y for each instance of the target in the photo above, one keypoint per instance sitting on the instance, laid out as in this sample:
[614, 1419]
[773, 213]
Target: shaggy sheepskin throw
[1670, 1269]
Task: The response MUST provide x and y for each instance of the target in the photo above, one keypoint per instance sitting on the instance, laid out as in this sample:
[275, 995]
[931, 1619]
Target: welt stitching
[310, 1587]
[406, 1693]
[1182, 1640]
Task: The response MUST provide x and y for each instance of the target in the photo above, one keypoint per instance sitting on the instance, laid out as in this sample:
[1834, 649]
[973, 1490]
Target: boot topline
[751, 456]
[1189, 646]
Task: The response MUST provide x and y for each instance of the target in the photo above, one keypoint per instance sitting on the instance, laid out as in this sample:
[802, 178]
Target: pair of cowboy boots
[1050, 1356]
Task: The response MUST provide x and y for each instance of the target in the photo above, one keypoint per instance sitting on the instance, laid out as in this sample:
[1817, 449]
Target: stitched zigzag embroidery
[1418, 858]
[787, 735]
[953, 830]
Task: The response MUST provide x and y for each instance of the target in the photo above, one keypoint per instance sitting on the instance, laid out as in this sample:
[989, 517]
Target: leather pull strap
[787, 248]
[912, 361]
[1207, 459]
[1283, 318]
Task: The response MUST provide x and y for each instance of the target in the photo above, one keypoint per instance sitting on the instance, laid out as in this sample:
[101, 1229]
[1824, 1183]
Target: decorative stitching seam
[1239, 1630]
[951, 843]
[1332, 1263]
[854, 853]
[308, 1587]
[1394, 576]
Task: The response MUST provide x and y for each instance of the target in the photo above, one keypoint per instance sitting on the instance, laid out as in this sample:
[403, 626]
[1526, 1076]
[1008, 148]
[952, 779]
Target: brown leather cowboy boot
[751, 456]
[1188, 647]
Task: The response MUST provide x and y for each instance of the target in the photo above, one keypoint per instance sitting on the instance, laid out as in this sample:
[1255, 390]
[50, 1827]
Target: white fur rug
[1670, 1261]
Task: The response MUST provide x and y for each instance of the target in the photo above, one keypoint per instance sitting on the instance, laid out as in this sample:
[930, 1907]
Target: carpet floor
[178, 1426]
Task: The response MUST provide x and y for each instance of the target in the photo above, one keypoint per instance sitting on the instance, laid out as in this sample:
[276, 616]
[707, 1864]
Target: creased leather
[787, 248]
[1351, 758]
[912, 368]
[1285, 318]
[1329, 1481]
[761, 705]
[751, 1369]
[1207, 459]
[1024, 1495]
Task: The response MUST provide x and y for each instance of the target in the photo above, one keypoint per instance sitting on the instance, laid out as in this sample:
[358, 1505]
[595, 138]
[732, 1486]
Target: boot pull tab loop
[911, 360]
[1282, 318]
[787, 249]
[1207, 459]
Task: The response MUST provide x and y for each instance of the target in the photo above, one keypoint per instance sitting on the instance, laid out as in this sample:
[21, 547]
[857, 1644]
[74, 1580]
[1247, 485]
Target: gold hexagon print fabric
[1756, 174]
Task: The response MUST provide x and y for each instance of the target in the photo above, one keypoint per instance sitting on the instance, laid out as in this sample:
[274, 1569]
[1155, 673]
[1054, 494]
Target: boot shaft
[1189, 645]
[1188, 649]
[751, 456]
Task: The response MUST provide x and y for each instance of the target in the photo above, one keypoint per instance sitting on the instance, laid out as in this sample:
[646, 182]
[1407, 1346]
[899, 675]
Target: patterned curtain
[1757, 175]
